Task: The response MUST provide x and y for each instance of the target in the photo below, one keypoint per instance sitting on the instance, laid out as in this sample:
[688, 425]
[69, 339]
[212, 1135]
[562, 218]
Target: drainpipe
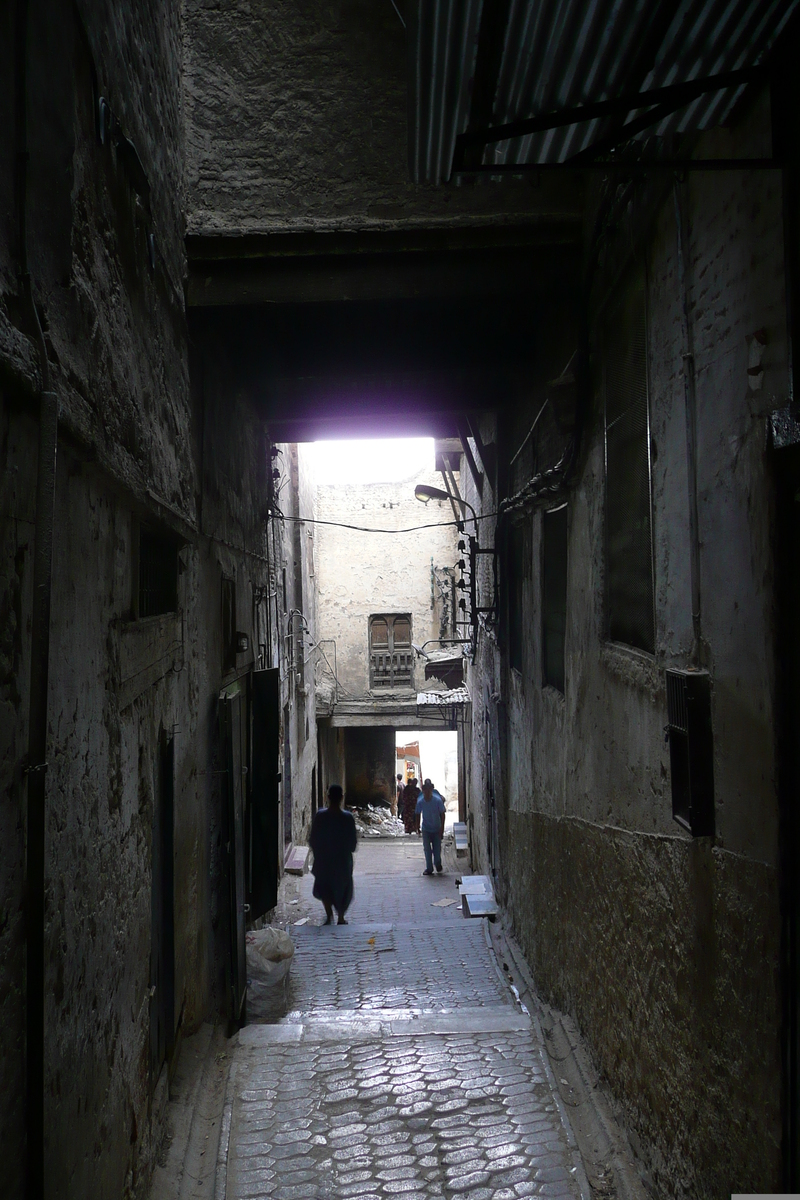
[690, 403]
[36, 764]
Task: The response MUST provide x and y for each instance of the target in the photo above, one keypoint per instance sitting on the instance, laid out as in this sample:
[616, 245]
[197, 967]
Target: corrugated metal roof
[561, 53]
[443, 39]
[439, 699]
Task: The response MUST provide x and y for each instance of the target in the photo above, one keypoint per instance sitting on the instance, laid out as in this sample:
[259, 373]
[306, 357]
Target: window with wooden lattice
[391, 655]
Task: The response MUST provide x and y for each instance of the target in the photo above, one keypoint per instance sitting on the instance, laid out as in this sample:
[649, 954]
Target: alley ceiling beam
[313, 269]
[474, 469]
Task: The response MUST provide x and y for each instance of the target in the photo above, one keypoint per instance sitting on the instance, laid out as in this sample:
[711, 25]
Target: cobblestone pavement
[404, 1068]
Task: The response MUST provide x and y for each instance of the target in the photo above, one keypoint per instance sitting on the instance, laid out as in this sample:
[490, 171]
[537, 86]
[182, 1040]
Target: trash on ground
[269, 958]
[296, 860]
[461, 838]
[475, 885]
[376, 821]
[477, 896]
[302, 921]
[443, 903]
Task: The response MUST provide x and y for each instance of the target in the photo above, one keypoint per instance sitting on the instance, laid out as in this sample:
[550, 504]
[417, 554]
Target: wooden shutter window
[391, 655]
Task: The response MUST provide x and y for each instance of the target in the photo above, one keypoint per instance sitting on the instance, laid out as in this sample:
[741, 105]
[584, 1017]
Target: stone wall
[138, 448]
[664, 948]
[116, 342]
[665, 951]
[296, 120]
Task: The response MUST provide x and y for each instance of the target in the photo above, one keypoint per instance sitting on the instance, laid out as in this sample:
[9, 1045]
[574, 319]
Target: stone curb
[221, 1180]
[627, 1177]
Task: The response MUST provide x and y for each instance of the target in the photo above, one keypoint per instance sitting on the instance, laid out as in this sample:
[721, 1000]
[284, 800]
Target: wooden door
[162, 913]
[233, 729]
[264, 812]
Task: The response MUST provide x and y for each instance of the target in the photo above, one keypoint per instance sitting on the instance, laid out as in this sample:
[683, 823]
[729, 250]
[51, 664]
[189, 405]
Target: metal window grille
[391, 655]
[554, 595]
[629, 543]
[158, 574]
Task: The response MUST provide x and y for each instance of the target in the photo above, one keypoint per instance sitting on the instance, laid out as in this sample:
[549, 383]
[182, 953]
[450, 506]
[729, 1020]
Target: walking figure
[410, 794]
[333, 839]
[430, 810]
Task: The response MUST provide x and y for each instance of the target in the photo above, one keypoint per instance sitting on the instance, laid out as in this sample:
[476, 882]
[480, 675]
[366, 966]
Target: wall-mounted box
[691, 750]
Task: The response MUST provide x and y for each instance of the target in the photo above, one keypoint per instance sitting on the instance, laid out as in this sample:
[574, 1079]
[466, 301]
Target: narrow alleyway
[404, 1066]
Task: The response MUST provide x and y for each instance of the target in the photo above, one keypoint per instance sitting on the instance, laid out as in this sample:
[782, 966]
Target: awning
[455, 696]
[446, 665]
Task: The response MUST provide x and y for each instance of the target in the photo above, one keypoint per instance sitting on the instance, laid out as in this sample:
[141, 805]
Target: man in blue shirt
[430, 810]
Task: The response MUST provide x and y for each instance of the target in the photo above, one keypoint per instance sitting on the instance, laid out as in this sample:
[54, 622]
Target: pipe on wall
[36, 764]
[690, 403]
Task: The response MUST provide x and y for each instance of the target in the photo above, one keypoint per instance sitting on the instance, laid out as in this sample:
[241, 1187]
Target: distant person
[397, 803]
[410, 796]
[333, 840]
[430, 811]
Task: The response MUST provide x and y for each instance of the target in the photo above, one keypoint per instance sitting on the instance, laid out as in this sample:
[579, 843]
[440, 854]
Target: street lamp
[424, 492]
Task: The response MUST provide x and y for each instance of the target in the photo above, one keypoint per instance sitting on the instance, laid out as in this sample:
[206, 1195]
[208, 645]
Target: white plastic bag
[269, 959]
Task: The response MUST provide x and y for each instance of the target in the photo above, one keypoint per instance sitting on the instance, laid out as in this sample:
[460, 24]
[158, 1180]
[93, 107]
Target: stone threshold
[353, 1025]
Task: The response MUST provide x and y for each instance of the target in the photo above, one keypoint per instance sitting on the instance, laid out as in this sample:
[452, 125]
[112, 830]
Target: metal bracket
[662, 101]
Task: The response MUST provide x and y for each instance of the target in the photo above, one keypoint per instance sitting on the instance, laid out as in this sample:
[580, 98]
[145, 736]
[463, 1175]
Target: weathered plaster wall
[359, 574]
[296, 120]
[665, 949]
[296, 495]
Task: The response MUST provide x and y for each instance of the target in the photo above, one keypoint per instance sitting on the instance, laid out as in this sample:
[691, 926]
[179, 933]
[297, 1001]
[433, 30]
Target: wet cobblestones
[326, 1109]
[403, 969]
[438, 1121]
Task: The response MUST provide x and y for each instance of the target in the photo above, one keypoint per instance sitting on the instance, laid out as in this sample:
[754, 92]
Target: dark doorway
[162, 929]
[287, 779]
[369, 765]
[263, 822]
[234, 738]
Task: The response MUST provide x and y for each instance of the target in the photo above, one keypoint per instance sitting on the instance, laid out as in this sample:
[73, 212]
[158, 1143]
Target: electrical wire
[407, 529]
[339, 684]
[400, 15]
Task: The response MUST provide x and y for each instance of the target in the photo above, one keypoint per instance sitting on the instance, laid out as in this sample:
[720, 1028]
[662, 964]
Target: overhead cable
[407, 529]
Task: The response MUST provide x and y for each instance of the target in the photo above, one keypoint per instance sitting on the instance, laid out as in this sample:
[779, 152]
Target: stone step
[296, 860]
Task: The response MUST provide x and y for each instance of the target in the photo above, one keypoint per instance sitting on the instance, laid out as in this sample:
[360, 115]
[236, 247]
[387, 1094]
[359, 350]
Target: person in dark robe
[333, 840]
[410, 794]
[397, 803]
